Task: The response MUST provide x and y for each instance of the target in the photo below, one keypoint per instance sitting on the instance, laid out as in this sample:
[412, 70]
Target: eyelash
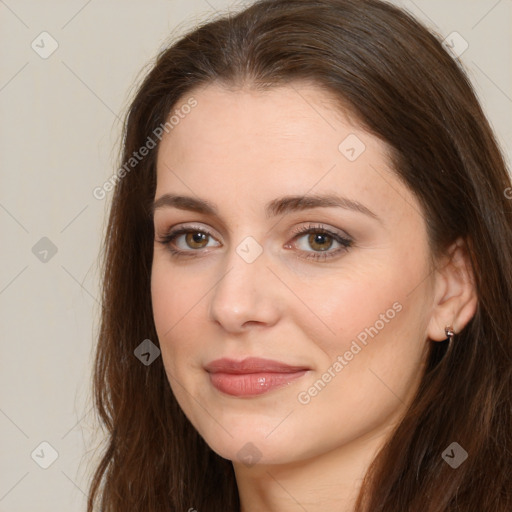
[345, 242]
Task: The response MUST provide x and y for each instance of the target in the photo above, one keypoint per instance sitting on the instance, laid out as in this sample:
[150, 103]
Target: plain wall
[59, 136]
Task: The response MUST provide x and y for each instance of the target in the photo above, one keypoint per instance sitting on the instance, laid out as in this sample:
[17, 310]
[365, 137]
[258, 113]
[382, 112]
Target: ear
[455, 297]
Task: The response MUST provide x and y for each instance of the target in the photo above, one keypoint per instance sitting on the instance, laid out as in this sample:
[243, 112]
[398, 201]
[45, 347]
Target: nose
[246, 295]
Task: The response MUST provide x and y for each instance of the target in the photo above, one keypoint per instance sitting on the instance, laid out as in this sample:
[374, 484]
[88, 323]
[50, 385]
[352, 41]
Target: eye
[196, 239]
[313, 241]
[187, 240]
[317, 242]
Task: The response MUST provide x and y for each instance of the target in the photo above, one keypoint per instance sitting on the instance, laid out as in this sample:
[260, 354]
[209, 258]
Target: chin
[249, 443]
[250, 453]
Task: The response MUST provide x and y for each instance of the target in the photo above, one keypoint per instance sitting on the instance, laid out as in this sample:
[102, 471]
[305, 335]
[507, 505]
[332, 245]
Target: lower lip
[252, 384]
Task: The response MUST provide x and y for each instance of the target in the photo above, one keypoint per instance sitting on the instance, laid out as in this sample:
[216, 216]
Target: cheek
[174, 295]
[369, 317]
[179, 301]
[344, 305]
[367, 369]
[172, 298]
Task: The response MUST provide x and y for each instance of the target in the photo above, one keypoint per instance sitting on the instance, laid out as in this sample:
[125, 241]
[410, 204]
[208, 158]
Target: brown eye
[320, 241]
[196, 239]
[188, 241]
[316, 242]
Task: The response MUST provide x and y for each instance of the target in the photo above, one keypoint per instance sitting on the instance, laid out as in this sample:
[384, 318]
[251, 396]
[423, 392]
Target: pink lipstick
[252, 376]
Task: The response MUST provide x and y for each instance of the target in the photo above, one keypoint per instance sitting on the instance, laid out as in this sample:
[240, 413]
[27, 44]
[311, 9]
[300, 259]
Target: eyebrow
[274, 208]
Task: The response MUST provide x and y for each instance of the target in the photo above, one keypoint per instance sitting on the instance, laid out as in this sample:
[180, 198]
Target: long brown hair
[406, 89]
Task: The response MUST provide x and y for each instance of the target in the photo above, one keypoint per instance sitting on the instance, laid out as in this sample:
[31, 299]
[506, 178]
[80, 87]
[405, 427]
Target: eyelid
[180, 229]
[184, 227]
[322, 228]
[344, 240]
[298, 230]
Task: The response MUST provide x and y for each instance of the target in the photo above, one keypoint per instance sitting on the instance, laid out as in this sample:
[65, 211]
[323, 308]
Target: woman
[308, 275]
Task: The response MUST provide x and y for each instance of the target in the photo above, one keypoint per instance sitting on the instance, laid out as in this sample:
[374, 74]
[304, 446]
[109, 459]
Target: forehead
[289, 139]
[283, 118]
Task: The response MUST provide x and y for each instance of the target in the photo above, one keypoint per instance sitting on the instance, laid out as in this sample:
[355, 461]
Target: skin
[241, 149]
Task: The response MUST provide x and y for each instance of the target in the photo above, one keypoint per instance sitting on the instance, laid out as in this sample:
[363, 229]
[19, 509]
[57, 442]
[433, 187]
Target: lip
[252, 376]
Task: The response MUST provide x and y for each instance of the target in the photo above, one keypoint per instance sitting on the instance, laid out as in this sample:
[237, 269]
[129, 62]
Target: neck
[330, 481]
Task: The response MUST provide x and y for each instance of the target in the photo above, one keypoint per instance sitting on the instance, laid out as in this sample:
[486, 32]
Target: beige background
[58, 141]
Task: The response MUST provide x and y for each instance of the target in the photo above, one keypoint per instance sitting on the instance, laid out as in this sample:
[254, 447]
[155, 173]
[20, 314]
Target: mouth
[252, 376]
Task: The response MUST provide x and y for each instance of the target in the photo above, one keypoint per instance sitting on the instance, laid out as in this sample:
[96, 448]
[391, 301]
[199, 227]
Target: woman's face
[283, 234]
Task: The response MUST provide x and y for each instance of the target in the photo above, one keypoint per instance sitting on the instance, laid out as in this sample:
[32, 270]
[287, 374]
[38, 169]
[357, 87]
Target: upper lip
[251, 365]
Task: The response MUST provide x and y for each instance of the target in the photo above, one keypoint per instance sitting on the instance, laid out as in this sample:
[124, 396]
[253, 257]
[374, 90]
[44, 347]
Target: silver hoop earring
[450, 333]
